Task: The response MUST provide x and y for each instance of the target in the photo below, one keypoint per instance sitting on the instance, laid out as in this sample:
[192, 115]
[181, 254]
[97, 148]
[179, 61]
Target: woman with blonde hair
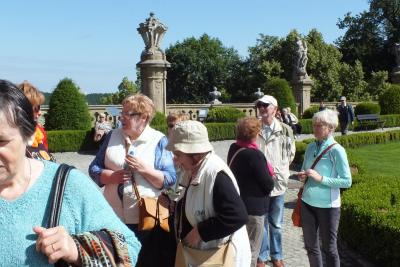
[38, 147]
[136, 154]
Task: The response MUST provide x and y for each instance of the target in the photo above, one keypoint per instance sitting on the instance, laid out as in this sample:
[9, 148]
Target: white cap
[342, 98]
[268, 99]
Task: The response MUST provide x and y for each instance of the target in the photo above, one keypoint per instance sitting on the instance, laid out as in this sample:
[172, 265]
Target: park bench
[370, 119]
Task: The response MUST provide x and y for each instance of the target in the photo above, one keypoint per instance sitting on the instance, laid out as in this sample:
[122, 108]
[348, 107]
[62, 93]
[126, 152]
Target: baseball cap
[267, 99]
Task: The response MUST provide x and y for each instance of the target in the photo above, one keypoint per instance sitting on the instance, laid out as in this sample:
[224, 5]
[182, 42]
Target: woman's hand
[302, 176]
[56, 244]
[136, 164]
[120, 176]
[314, 175]
[193, 238]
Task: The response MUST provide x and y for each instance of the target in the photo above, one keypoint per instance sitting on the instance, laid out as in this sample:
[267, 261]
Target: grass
[381, 160]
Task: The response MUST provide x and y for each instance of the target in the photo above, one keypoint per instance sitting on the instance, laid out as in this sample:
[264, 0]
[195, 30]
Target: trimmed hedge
[370, 218]
[224, 114]
[71, 140]
[367, 108]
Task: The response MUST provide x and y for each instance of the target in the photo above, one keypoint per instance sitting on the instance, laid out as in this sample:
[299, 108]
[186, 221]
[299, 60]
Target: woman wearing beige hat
[211, 212]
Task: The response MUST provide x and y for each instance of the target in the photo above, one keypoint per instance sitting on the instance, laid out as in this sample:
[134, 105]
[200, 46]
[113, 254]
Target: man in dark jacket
[346, 115]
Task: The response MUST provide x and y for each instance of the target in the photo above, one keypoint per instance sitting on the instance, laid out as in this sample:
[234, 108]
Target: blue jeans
[272, 239]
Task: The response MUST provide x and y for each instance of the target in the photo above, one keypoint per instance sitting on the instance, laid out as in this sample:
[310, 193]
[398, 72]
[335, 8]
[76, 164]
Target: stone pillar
[302, 93]
[153, 63]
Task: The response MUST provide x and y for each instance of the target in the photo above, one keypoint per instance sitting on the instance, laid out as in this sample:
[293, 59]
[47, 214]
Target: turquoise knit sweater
[84, 209]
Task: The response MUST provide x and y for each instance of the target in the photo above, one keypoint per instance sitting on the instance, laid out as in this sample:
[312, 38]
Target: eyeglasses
[319, 125]
[36, 108]
[130, 114]
[262, 105]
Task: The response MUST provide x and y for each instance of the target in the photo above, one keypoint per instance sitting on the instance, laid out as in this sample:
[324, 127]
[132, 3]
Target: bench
[370, 119]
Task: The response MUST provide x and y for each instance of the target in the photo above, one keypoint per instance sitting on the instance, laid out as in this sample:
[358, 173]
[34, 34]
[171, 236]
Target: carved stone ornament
[152, 32]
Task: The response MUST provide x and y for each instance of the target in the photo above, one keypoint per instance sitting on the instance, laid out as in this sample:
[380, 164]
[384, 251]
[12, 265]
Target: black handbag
[56, 199]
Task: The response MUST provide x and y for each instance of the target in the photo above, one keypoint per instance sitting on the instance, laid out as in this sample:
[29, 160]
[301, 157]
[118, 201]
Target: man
[277, 143]
[346, 115]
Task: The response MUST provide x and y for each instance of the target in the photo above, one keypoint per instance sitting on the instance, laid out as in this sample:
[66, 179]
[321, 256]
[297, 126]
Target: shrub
[281, 90]
[68, 109]
[71, 140]
[224, 114]
[159, 119]
[390, 100]
[309, 113]
[367, 108]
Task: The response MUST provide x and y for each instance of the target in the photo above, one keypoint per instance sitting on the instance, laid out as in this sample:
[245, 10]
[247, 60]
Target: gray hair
[327, 116]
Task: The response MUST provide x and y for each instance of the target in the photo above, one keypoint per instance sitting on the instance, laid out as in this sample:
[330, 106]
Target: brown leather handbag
[151, 212]
[296, 215]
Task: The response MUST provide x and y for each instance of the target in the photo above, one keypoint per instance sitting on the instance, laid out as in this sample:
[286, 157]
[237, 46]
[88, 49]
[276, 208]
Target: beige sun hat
[189, 137]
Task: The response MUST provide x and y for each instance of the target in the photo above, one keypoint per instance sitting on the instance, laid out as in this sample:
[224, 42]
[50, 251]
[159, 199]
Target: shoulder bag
[222, 256]
[152, 212]
[296, 215]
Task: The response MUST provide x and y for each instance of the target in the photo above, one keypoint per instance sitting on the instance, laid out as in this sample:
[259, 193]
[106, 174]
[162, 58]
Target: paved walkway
[293, 246]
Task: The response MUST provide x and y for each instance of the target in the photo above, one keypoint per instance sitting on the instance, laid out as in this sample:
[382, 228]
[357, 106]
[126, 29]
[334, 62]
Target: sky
[96, 43]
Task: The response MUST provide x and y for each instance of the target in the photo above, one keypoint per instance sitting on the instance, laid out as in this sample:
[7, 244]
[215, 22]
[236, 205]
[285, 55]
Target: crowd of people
[226, 213]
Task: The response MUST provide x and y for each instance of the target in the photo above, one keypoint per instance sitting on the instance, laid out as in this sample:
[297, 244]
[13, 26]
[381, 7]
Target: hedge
[370, 218]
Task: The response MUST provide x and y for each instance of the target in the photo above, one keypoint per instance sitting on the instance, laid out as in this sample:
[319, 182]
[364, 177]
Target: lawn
[382, 159]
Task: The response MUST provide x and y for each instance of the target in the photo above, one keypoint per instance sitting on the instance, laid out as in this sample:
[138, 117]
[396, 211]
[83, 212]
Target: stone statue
[152, 32]
[214, 95]
[301, 59]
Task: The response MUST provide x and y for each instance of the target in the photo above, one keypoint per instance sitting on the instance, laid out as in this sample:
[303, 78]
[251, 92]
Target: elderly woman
[101, 128]
[25, 190]
[249, 166]
[38, 147]
[320, 209]
[211, 212]
[136, 149]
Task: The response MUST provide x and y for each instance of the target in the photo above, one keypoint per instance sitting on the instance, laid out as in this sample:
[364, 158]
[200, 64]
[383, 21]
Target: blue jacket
[334, 167]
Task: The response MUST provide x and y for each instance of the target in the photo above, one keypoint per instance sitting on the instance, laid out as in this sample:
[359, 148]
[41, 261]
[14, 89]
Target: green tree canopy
[68, 109]
[197, 65]
[125, 88]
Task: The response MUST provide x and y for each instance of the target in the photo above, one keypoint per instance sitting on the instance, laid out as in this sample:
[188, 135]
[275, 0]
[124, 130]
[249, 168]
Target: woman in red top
[39, 147]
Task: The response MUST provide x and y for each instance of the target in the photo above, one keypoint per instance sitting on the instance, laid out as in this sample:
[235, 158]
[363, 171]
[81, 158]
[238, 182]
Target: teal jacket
[334, 167]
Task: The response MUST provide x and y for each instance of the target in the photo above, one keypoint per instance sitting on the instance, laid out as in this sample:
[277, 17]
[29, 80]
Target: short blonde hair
[247, 128]
[140, 103]
[176, 117]
[32, 93]
[328, 117]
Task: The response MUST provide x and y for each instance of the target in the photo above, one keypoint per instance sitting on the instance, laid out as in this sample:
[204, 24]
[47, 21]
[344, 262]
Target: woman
[38, 148]
[211, 211]
[139, 149]
[249, 166]
[25, 188]
[101, 128]
[320, 209]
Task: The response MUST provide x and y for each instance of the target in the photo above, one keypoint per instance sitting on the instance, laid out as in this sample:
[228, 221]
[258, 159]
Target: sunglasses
[36, 108]
[171, 125]
[262, 105]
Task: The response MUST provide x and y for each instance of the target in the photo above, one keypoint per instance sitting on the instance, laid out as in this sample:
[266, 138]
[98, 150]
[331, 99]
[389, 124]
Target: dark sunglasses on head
[36, 108]
[262, 105]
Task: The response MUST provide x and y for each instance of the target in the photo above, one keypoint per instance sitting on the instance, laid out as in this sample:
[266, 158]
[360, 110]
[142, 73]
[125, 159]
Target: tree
[377, 84]
[281, 90]
[370, 36]
[68, 109]
[125, 88]
[352, 80]
[197, 65]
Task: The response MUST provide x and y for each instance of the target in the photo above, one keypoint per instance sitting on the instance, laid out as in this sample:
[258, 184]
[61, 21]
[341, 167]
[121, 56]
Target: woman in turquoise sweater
[25, 190]
[320, 210]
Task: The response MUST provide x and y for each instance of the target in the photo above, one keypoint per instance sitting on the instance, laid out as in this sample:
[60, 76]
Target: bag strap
[58, 188]
[320, 155]
[234, 155]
